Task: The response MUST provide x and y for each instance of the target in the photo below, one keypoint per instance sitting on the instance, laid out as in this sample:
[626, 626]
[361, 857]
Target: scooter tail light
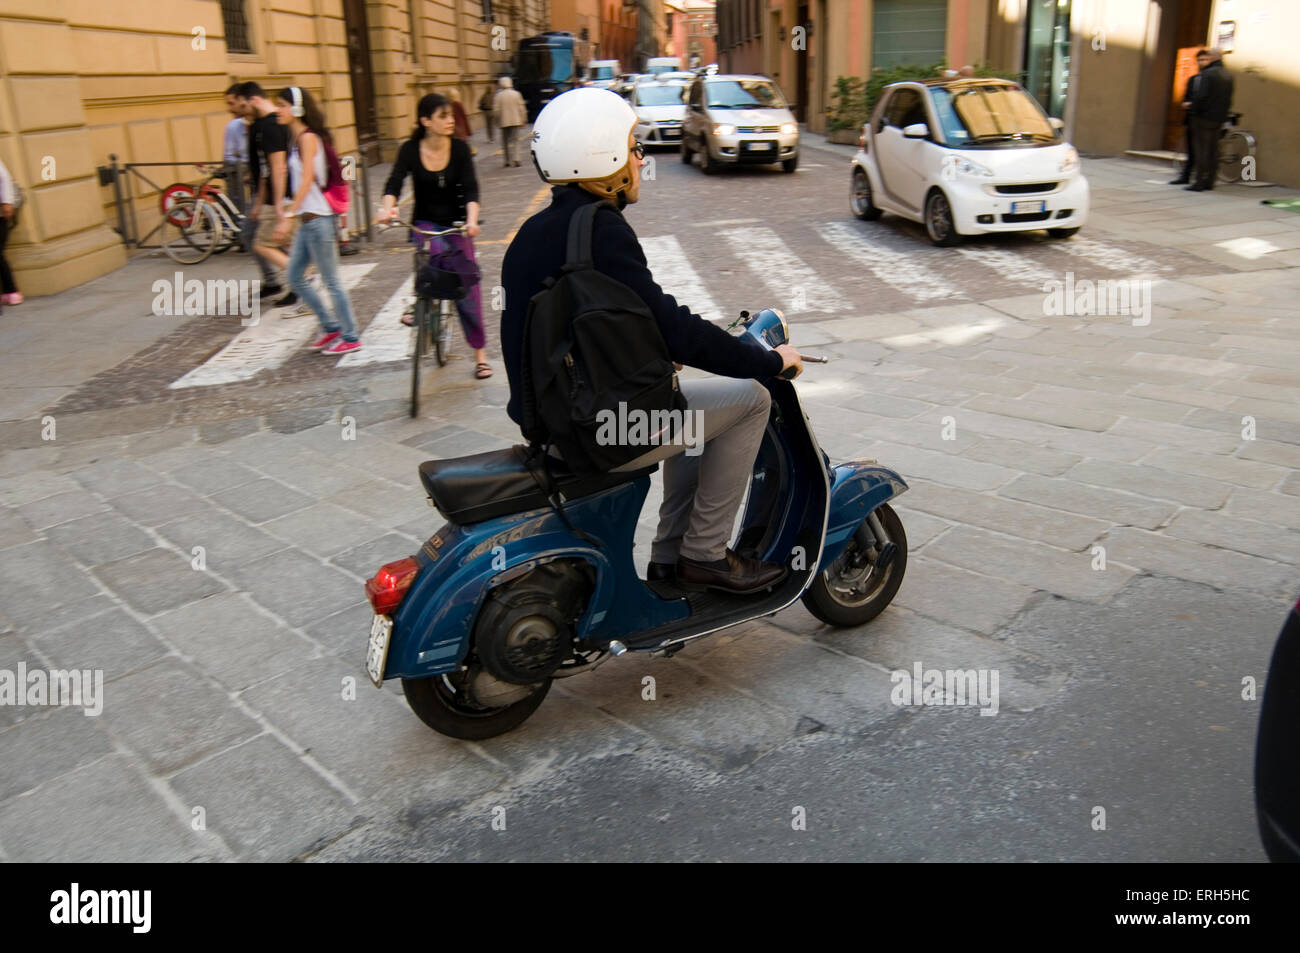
[388, 587]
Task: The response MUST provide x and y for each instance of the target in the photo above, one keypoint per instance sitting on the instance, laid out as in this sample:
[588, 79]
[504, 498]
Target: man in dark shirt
[1202, 61]
[701, 492]
[1211, 103]
[268, 166]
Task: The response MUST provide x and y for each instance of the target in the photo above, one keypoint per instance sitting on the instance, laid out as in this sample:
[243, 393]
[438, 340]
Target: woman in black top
[446, 191]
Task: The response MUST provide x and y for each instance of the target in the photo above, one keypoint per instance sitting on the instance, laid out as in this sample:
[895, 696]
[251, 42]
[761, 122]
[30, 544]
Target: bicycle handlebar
[459, 228]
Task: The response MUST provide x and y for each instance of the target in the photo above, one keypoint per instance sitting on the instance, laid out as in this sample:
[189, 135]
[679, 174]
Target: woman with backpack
[314, 243]
[9, 293]
[446, 191]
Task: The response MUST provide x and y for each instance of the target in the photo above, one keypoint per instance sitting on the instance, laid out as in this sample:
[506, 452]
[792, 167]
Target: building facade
[692, 29]
[81, 80]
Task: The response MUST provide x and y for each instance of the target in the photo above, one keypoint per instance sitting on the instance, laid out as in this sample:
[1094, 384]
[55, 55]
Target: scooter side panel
[859, 487]
[433, 627]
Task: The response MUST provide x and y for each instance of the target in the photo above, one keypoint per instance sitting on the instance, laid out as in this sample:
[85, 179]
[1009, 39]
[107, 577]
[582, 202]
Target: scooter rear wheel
[848, 596]
[445, 708]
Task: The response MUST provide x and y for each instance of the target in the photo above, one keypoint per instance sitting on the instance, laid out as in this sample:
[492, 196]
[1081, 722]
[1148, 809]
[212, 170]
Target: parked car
[660, 107]
[603, 73]
[967, 157]
[735, 120]
[1277, 769]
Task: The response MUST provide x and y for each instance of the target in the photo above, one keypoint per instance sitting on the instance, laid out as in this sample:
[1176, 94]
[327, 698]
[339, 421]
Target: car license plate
[758, 146]
[1028, 208]
[381, 631]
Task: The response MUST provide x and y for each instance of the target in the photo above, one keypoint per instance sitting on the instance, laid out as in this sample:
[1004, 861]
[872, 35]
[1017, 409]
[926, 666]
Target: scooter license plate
[1028, 208]
[381, 630]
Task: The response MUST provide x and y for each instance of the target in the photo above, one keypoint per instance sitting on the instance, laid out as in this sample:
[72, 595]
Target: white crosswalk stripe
[263, 346]
[796, 286]
[1110, 256]
[905, 273]
[386, 338]
[673, 272]
[1011, 266]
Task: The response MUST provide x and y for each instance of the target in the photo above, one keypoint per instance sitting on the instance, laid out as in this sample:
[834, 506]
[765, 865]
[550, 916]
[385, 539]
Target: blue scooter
[532, 578]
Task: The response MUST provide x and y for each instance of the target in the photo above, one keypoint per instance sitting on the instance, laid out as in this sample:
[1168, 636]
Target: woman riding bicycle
[446, 191]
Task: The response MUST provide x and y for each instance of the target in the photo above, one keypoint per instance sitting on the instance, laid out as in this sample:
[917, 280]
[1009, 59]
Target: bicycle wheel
[170, 196]
[1234, 147]
[194, 241]
[442, 332]
[420, 325]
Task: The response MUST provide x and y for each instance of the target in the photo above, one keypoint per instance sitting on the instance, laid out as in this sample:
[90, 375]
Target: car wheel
[860, 197]
[1063, 232]
[789, 165]
[938, 220]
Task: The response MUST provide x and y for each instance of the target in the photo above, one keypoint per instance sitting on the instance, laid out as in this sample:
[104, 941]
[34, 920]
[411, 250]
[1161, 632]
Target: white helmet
[581, 135]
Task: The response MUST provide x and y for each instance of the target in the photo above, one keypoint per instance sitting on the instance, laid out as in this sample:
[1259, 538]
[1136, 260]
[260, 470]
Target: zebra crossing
[873, 271]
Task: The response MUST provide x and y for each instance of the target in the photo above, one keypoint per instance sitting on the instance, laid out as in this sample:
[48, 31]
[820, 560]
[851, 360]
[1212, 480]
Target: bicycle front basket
[436, 282]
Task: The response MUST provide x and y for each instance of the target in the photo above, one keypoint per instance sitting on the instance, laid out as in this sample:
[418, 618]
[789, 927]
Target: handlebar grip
[789, 373]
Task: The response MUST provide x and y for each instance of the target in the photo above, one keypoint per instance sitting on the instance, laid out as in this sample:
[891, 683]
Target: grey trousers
[702, 491]
[508, 134]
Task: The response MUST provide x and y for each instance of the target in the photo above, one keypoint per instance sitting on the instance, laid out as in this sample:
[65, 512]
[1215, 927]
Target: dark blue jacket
[537, 253]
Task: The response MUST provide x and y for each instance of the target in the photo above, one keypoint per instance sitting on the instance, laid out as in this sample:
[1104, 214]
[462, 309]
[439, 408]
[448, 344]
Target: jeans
[315, 245]
[702, 493]
[7, 284]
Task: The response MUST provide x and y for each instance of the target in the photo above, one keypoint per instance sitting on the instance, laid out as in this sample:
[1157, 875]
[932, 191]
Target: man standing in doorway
[1202, 61]
[511, 114]
[1211, 103]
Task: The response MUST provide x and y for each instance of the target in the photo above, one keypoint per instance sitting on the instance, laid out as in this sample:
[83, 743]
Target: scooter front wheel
[445, 705]
[856, 588]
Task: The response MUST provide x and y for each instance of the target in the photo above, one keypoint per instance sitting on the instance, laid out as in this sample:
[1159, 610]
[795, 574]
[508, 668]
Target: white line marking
[795, 285]
[1013, 266]
[727, 221]
[386, 338]
[1110, 256]
[672, 270]
[265, 345]
[903, 272]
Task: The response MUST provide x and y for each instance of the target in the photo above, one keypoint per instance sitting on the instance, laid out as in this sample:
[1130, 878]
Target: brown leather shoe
[742, 576]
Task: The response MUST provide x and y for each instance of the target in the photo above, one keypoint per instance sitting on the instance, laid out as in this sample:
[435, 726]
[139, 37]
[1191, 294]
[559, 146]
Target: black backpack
[591, 345]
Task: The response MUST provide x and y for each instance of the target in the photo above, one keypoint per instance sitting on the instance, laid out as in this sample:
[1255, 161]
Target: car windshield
[669, 94]
[743, 94]
[990, 115]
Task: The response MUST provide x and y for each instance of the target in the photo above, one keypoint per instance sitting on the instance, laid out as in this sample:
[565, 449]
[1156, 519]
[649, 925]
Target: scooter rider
[576, 140]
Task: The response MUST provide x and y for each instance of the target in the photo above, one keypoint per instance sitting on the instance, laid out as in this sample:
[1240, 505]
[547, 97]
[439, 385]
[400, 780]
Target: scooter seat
[484, 486]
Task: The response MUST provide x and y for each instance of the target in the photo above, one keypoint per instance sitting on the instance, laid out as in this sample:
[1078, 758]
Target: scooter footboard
[860, 486]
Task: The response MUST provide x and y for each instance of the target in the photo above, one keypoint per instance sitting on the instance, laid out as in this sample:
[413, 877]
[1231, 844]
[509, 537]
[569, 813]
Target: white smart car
[966, 157]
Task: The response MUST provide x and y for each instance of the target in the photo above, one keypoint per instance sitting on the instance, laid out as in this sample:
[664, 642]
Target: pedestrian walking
[462, 130]
[234, 148]
[1202, 60]
[269, 173]
[1210, 105]
[9, 293]
[511, 114]
[446, 191]
[315, 240]
[489, 117]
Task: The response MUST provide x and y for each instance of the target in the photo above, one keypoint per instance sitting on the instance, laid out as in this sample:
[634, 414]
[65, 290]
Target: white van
[663, 64]
[603, 73]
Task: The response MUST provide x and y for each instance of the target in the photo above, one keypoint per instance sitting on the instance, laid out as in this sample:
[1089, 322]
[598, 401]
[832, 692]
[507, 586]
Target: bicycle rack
[120, 177]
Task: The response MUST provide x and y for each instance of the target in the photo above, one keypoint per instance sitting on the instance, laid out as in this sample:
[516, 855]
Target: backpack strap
[581, 227]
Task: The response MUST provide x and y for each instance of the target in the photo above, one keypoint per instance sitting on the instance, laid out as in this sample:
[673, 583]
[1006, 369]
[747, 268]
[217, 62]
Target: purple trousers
[470, 306]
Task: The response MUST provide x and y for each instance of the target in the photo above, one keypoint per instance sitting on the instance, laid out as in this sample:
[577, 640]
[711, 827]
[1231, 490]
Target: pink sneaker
[14, 298]
[342, 347]
[324, 340]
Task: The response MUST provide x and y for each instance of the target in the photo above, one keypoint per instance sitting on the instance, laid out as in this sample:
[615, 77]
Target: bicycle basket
[437, 282]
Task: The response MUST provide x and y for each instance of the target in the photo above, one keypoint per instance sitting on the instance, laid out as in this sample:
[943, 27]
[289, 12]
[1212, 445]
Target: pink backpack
[335, 189]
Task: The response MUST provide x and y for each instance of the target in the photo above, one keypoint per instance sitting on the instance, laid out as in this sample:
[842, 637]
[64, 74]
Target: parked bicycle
[431, 326]
[199, 221]
[1235, 146]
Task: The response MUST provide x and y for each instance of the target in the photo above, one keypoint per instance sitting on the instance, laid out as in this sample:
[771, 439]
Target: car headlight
[960, 165]
[723, 129]
[1070, 162]
[789, 129]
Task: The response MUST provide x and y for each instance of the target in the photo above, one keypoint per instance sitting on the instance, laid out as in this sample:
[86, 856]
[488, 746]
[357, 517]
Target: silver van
[735, 120]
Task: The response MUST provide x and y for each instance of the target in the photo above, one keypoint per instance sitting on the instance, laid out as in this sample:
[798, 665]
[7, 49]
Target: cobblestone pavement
[206, 551]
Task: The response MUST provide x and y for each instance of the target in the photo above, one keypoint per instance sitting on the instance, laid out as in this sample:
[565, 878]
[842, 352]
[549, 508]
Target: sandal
[483, 371]
[408, 318]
